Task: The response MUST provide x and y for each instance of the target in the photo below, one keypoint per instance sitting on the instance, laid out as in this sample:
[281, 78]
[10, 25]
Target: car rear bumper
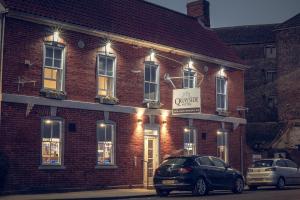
[179, 183]
[262, 181]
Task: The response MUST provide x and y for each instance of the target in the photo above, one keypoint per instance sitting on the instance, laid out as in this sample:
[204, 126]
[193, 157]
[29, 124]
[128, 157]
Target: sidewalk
[96, 194]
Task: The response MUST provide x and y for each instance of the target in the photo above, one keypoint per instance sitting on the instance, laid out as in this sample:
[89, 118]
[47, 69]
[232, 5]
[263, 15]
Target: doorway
[151, 158]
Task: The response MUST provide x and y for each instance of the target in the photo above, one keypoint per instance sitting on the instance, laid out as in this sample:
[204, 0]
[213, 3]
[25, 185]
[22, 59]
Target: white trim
[225, 93]
[15, 98]
[122, 38]
[157, 92]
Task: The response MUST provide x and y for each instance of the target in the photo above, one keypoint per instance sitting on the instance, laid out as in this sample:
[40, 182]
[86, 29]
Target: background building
[271, 89]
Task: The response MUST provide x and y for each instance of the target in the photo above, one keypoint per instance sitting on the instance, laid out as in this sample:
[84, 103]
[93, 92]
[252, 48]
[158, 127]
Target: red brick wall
[24, 40]
[23, 147]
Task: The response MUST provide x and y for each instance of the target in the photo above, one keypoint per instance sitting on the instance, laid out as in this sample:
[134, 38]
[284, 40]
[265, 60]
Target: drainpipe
[2, 28]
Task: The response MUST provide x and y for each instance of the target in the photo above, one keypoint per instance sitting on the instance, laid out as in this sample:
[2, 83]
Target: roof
[132, 18]
[247, 34]
[290, 23]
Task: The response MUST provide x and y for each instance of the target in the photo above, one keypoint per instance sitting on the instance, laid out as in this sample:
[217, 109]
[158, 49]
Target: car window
[263, 163]
[291, 164]
[281, 163]
[174, 161]
[218, 163]
[204, 161]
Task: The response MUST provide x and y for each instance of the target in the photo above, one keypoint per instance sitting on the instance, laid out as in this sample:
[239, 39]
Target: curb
[115, 197]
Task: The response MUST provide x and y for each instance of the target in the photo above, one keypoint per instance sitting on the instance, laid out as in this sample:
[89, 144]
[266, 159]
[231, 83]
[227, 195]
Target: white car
[273, 172]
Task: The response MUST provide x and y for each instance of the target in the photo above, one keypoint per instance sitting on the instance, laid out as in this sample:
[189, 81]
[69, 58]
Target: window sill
[152, 104]
[224, 113]
[52, 94]
[50, 167]
[106, 167]
[107, 100]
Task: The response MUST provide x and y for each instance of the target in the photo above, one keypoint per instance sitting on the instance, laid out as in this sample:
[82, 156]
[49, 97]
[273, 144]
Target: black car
[199, 174]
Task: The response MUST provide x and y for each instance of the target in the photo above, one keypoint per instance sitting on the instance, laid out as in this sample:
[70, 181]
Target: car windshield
[173, 161]
[263, 163]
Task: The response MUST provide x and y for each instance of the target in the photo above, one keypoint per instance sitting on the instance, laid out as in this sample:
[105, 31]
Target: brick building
[86, 92]
[271, 89]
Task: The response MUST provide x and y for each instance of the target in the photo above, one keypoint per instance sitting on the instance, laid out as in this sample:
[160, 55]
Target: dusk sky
[241, 12]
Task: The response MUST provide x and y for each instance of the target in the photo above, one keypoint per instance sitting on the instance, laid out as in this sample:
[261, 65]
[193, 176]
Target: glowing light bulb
[55, 36]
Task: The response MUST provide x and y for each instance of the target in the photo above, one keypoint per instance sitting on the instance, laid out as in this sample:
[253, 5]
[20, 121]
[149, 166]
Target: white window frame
[157, 93]
[192, 133]
[189, 77]
[61, 143]
[113, 159]
[55, 45]
[113, 57]
[224, 94]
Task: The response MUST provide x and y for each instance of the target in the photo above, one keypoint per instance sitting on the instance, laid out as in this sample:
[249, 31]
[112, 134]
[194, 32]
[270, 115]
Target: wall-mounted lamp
[102, 125]
[108, 44]
[222, 72]
[186, 130]
[55, 36]
[152, 54]
[164, 122]
[191, 63]
[139, 121]
[48, 121]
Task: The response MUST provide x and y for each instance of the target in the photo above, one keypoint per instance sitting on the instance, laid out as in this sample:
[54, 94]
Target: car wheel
[238, 185]
[162, 193]
[200, 187]
[252, 187]
[280, 183]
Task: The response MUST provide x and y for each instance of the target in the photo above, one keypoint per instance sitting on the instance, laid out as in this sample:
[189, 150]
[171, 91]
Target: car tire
[252, 187]
[238, 185]
[162, 193]
[280, 183]
[201, 187]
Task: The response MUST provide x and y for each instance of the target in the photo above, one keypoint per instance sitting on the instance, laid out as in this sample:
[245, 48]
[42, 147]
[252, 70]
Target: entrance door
[150, 156]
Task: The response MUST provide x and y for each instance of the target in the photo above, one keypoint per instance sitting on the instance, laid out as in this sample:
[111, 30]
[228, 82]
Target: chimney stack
[199, 9]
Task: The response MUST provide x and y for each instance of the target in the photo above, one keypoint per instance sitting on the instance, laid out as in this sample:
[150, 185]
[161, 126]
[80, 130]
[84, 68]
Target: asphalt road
[292, 193]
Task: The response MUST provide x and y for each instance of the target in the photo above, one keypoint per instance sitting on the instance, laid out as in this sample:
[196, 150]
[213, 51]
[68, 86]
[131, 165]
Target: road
[292, 193]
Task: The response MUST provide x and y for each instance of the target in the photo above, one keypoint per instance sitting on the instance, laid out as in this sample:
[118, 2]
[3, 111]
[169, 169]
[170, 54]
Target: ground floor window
[222, 145]
[105, 143]
[51, 141]
[189, 141]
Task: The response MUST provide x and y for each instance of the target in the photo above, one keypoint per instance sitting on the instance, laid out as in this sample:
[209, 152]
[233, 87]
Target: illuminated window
[222, 145]
[105, 143]
[106, 75]
[151, 82]
[221, 90]
[189, 78]
[51, 142]
[189, 141]
[53, 73]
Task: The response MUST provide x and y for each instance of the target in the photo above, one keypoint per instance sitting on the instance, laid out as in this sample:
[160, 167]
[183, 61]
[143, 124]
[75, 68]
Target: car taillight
[273, 169]
[184, 170]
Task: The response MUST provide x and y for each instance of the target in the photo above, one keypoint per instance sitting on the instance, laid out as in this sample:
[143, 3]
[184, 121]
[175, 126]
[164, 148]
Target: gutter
[124, 39]
[2, 32]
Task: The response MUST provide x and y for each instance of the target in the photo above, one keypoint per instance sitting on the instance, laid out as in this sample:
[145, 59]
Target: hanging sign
[186, 101]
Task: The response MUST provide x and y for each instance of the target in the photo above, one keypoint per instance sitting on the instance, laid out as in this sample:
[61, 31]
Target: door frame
[154, 127]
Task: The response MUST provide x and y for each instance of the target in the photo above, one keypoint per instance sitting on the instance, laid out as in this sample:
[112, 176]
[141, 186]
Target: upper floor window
[53, 72]
[270, 51]
[52, 141]
[270, 76]
[221, 90]
[106, 75]
[189, 78]
[105, 143]
[190, 141]
[151, 82]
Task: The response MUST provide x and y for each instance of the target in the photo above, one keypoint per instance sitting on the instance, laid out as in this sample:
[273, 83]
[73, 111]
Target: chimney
[199, 9]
